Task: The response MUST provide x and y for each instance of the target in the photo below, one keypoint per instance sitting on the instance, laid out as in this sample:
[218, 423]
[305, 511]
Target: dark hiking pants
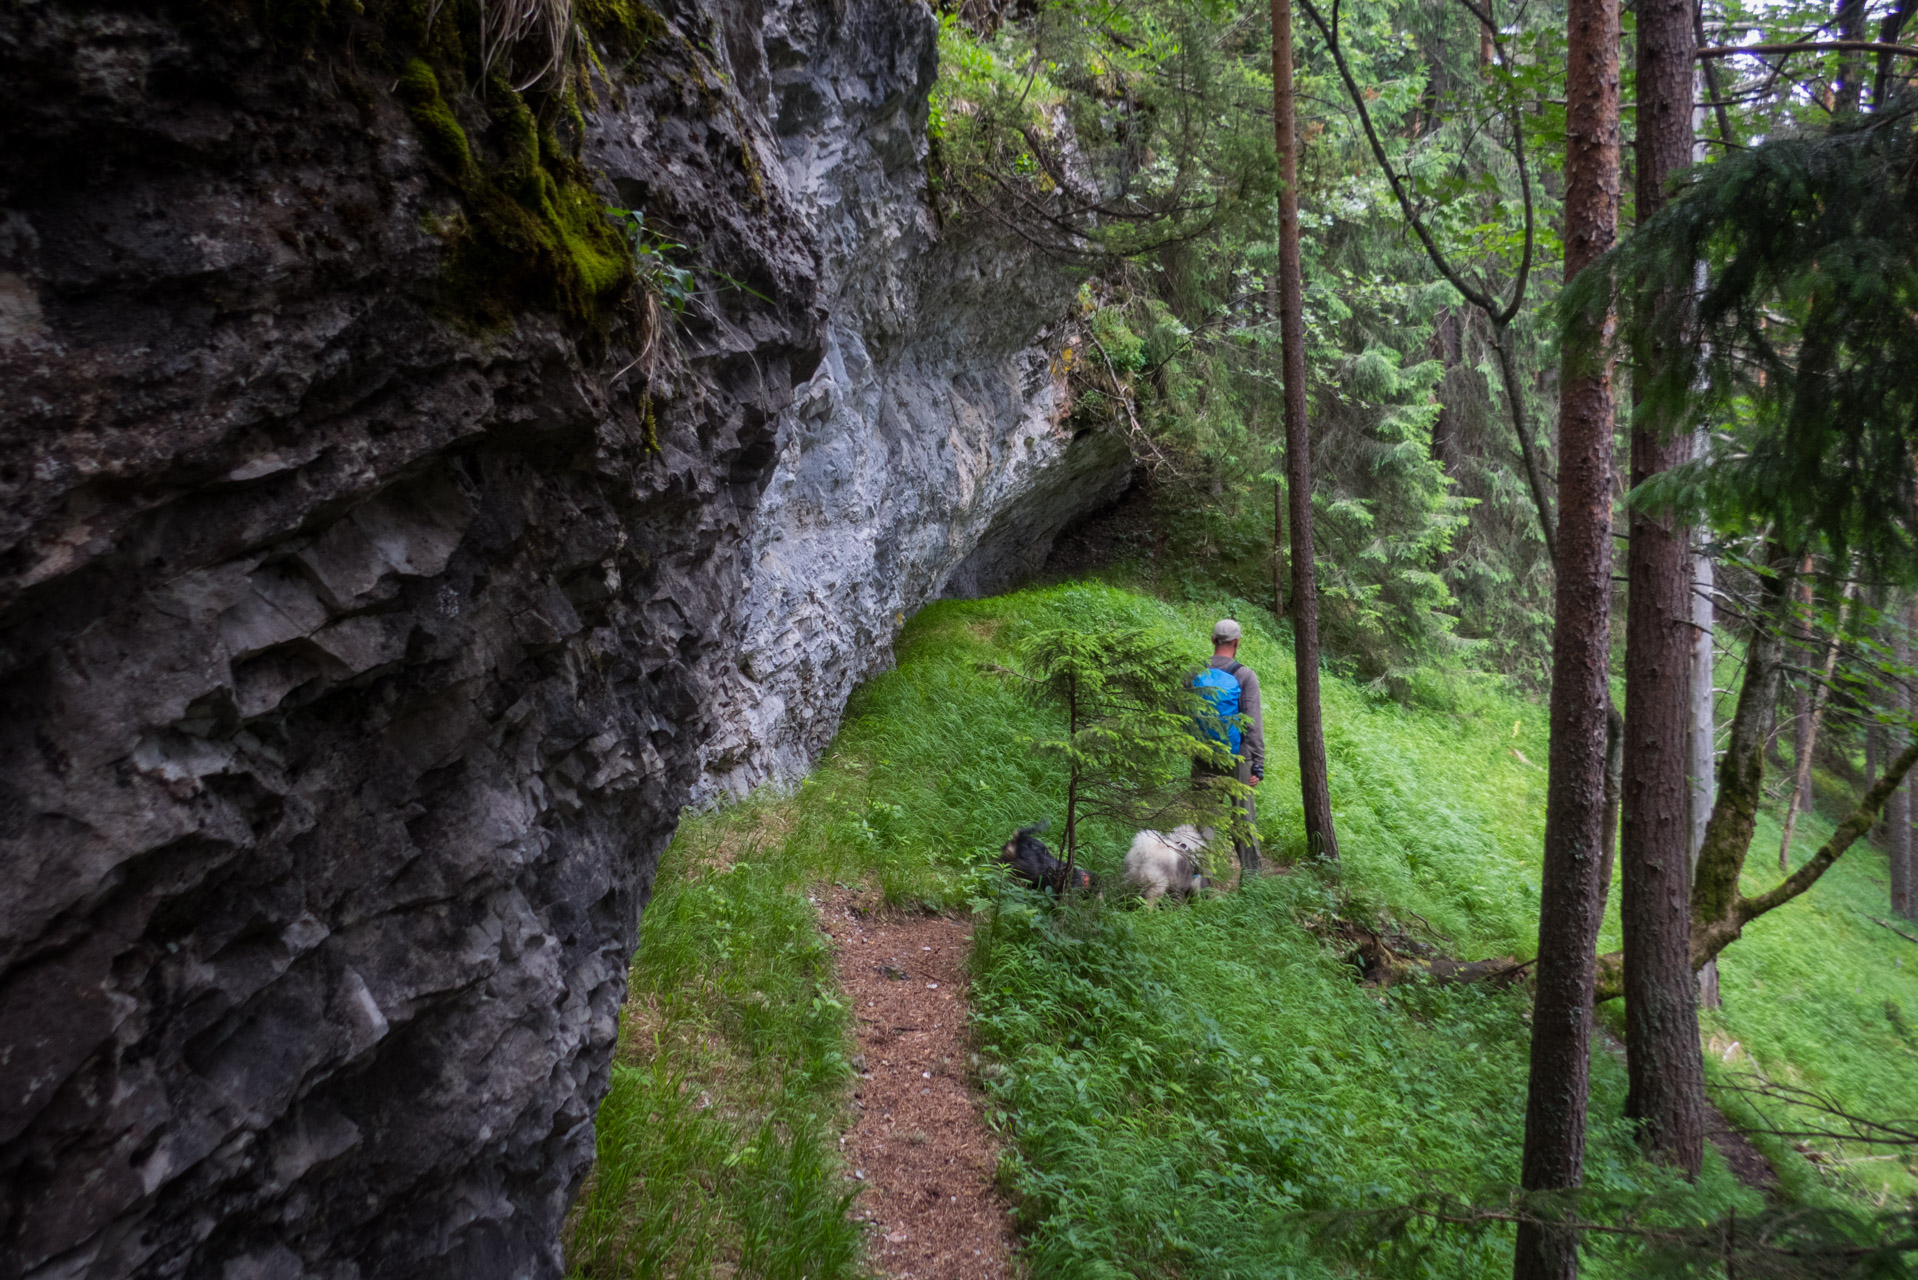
[1245, 843]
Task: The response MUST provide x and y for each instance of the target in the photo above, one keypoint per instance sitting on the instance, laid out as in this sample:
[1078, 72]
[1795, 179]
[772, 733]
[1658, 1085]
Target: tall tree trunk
[1802, 786]
[1614, 789]
[1877, 698]
[1898, 808]
[1801, 695]
[1448, 345]
[1314, 785]
[1278, 548]
[1571, 900]
[1666, 1095]
[1850, 93]
[1704, 739]
[1888, 31]
[1072, 787]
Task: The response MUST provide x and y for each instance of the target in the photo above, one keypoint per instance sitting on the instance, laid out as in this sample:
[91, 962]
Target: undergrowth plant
[1203, 1091]
[716, 1144]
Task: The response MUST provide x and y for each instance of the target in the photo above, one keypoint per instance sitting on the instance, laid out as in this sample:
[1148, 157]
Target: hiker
[1233, 688]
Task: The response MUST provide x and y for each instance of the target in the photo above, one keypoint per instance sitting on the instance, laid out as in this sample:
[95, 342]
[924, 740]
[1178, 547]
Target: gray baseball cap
[1224, 631]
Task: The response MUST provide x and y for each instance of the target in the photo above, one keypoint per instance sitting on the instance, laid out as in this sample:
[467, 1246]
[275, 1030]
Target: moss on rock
[627, 26]
[419, 89]
[534, 232]
[531, 231]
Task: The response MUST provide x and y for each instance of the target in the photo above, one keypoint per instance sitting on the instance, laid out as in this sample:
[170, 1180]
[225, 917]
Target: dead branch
[1809, 46]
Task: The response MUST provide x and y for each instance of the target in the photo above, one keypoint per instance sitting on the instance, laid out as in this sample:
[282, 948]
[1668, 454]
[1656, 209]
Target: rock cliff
[927, 456]
[357, 653]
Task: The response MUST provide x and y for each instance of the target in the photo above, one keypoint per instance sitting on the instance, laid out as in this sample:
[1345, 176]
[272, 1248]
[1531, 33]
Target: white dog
[1162, 862]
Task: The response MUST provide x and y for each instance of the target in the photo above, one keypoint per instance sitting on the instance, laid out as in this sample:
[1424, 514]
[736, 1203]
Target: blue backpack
[1220, 687]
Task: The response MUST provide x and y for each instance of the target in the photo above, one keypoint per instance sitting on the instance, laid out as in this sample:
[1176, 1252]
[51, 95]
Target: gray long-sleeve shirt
[1254, 732]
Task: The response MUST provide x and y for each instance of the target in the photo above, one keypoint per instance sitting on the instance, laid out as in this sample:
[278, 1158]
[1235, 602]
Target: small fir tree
[1131, 728]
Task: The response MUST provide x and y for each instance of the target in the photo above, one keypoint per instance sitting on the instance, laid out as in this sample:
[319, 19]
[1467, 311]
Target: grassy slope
[1176, 1085]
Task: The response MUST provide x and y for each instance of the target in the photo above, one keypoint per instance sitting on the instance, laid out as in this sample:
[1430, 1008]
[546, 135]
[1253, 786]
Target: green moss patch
[626, 26]
[534, 233]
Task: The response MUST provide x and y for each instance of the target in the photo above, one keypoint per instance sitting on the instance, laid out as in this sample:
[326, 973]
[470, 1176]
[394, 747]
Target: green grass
[1817, 996]
[716, 1142]
[1194, 1091]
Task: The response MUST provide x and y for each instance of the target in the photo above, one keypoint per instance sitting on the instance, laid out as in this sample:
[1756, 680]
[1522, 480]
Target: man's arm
[1255, 720]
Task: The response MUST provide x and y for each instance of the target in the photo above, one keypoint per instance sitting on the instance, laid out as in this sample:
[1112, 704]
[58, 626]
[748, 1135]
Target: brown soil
[918, 1141]
[1746, 1162]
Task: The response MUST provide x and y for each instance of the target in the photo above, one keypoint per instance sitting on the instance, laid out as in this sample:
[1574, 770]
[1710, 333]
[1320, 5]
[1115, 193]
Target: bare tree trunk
[1072, 788]
[1448, 341]
[1800, 744]
[1278, 548]
[1666, 1095]
[1851, 65]
[1888, 29]
[1314, 783]
[1878, 698]
[1614, 789]
[1704, 739]
[1709, 67]
[1741, 773]
[1801, 696]
[1572, 898]
[1898, 808]
[1802, 785]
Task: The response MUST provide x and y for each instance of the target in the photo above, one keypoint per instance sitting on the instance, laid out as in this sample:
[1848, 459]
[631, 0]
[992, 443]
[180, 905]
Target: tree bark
[1704, 736]
[1741, 771]
[1801, 790]
[1898, 808]
[1278, 548]
[1614, 789]
[1848, 96]
[1572, 897]
[1666, 1094]
[1888, 29]
[1711, 935]
[1448, 344]
[1314, 784]
[1710, 69]
[1801, 696]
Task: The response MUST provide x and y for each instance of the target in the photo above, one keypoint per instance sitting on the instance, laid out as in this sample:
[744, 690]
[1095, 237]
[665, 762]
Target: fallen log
[1387, 958]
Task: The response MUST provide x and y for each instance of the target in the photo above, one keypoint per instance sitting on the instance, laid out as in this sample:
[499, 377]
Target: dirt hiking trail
[917, 1137]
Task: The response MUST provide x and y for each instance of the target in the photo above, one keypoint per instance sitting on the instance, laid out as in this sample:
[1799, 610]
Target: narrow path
[917, 1141]
[1747, 1162]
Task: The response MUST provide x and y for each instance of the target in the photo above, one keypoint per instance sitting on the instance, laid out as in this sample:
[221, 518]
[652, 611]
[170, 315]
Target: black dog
[1027, 857]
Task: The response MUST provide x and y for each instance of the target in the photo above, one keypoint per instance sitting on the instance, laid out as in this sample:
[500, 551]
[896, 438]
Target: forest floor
[1202, 1090]
[918, 1141]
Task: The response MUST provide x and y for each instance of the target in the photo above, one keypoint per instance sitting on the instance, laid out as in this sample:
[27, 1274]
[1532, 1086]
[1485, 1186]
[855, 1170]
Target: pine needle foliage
[1802, 338]
[1123, 716]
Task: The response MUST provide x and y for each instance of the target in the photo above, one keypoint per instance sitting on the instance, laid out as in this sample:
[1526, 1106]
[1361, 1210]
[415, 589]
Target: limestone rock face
[928, 456]
[355, 662]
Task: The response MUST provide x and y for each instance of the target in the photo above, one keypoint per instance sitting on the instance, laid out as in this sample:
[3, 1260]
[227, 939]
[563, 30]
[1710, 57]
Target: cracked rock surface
[355, 664]
[928, 456]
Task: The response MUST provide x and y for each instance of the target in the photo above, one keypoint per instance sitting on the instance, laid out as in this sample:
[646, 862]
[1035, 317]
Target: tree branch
[1809, 46]
[1471, 293]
